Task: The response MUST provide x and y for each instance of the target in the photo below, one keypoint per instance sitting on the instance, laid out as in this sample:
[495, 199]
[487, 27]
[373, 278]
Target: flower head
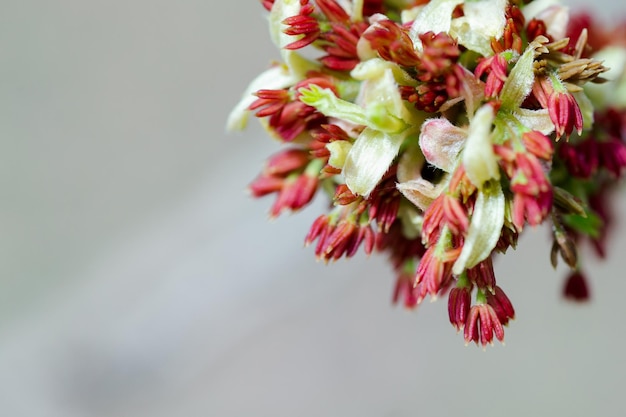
[439, 129]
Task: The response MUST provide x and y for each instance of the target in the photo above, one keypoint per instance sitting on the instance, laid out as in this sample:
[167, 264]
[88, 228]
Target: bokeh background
[137, 278]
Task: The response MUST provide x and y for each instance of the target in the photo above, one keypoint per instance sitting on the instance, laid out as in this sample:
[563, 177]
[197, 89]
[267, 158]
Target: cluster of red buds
[439, 130]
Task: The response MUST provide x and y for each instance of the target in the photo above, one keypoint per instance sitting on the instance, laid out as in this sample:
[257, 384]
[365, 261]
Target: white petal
[409, 15]
[521, 78]
[356, 15]
[380, 105]
[364, 48]
[441, 143]
[411, 220]
[421, 192]
[536, 120]
[486, 16]
[381, 97]
[281, 10]
[297, 64]
[275, 78]
[482, 21]
[327, 103]
[434, 17]
[376, 67]
[346, 5]
[532, 9]
[612, 93]
[369, 159]
[553, 14]
[410, 163]
[484, 229]
[338, 152]
[478, 157]
[466, 36]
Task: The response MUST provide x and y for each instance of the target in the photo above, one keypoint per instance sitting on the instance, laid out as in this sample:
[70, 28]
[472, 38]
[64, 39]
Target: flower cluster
[440, 130]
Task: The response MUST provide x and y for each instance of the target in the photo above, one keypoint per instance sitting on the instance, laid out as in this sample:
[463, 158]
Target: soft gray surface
[138, 279]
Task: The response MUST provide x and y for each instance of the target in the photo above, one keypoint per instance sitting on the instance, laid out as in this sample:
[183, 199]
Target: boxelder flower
[459, 302]
[440, 129]
[482, 325]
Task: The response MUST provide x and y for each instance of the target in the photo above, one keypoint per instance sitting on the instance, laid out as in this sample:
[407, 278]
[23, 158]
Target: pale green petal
[275, 78]
[482, 21]
[554, 14]
[357, 11]
[612, 93]
[381, 98]
[411, 220]
[486, 16]
[375, 68]
[484, 229]
[434, 17]
[521, 78]
[347, 6]
[478, 158]
[535, 120]
[532, 9]
[364, 48]
[409, 15]
[327, 103]
[410, 163]
[281, 10]
[369, 159]
[441, 142]
[461, 30]
[379, 112]
[338, 152]
[297, 64]
[383, 103]
[421, 192]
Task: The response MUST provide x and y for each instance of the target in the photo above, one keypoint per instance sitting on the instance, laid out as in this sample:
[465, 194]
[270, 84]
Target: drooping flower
[482, 325]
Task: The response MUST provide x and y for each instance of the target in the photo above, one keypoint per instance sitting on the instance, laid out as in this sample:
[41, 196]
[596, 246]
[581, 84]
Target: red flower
[612, 155]
[565, 113]
[286, 174]
[340, 236]
[496, 69]
[333, 11]
[288, 117]
[340, 46]
[392, 42]
[434, 271]
[482, 275]
[582, 159]
[538, 144]
[576, 288]
[384, 201]
[459, 301]
[482, 325]
[532, 191]
[562, 106]
[501, 305]
[440, 75]
[302, 24]
[532, 209]
[444, 211]
[404, 289]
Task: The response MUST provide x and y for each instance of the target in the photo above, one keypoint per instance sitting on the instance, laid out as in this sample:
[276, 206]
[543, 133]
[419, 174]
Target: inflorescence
[440, 130]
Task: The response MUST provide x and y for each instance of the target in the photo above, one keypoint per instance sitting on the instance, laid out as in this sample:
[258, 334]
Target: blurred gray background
[137, 278]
